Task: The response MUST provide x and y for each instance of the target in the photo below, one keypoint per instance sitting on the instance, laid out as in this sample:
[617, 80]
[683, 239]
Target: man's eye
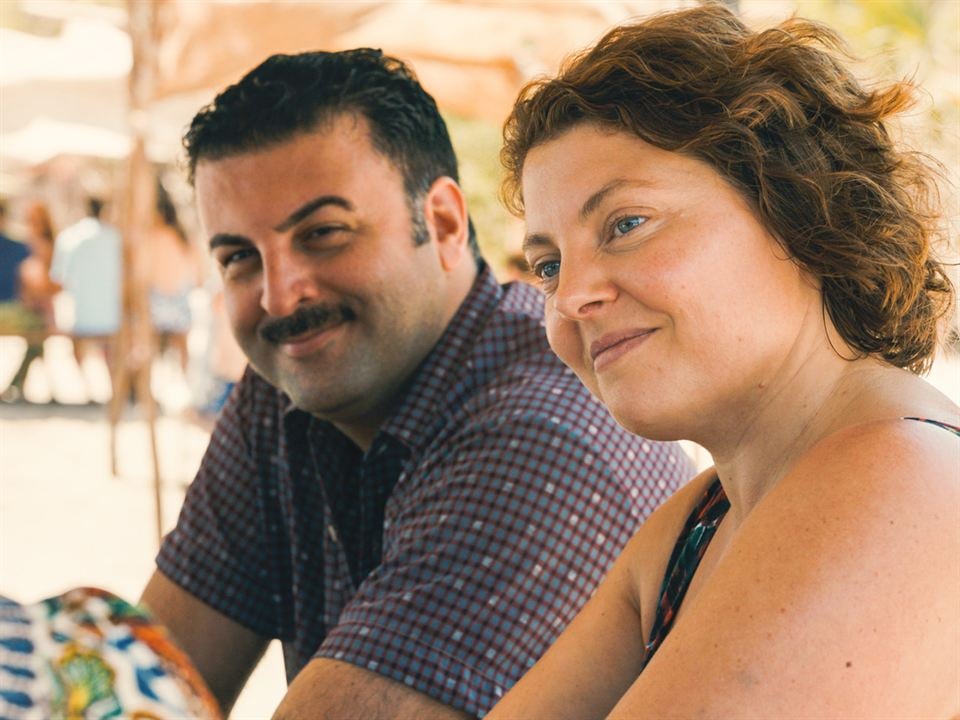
[318, 233]
[323, 233]
[626, 224]
[235, 256]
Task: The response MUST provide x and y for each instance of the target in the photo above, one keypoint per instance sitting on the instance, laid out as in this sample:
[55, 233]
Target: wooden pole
[135, 349]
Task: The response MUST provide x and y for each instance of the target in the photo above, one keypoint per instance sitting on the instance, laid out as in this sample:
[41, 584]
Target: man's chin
[322, 405]
[338, 401]
[319, 405]
[309, 398]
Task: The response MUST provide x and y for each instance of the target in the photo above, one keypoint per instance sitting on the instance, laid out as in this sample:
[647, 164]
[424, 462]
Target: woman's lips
[611, 347]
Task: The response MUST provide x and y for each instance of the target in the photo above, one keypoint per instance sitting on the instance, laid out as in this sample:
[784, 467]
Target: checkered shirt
[451, 554]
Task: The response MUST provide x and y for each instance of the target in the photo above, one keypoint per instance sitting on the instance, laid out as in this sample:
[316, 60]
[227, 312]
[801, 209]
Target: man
[88, 264]
[406, 487]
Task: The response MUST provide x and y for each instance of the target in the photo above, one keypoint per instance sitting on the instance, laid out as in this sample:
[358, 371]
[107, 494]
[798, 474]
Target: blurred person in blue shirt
[31, 315]
[12, 253]
[87, 262]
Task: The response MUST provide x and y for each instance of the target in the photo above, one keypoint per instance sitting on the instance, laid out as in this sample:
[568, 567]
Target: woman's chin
[648, 425]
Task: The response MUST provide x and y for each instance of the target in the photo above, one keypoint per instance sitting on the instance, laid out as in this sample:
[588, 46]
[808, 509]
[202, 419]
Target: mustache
[315, 317]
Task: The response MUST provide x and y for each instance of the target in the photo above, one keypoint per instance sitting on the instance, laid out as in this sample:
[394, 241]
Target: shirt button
[332, 532]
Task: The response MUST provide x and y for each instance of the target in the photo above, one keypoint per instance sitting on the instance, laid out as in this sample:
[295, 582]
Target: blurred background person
[33, 319]
[224, 360]
[12, 253]
[174, 271]
[87, 263]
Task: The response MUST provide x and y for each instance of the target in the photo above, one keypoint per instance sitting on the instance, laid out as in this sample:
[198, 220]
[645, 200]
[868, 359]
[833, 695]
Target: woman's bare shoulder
[905, 449]
[880, 472]
[897, 431]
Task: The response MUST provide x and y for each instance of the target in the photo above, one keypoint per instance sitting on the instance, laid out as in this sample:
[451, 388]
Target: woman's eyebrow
[535, 240]
[593, 202]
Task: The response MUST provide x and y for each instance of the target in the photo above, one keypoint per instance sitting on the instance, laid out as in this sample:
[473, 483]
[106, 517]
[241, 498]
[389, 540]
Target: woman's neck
[807, 398]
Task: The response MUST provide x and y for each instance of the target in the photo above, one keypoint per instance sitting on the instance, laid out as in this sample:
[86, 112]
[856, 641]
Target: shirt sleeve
[58, 263]
[489, 551]
[221, 549]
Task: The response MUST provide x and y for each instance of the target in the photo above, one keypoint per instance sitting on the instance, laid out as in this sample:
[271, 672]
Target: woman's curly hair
[777, 114]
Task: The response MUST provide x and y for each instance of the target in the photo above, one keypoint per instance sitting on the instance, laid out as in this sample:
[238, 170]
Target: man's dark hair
[291, 94]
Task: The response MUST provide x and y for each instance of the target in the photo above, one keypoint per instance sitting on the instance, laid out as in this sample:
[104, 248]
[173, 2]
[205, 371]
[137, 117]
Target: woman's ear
[445, 213]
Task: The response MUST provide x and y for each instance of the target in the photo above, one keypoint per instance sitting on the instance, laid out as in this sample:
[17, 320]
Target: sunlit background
[93, 99]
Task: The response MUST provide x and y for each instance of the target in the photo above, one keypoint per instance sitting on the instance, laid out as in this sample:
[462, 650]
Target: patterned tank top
[692, 543]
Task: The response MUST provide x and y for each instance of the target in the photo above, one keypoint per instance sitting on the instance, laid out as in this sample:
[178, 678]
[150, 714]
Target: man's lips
[309, 342]
[608, 348]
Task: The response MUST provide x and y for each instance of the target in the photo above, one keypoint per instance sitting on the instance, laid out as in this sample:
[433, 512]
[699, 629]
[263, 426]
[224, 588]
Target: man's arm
[222, 651]
[329, 689]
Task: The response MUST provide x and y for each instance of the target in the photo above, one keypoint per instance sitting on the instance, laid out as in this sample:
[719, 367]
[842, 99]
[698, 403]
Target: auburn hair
[779, 115]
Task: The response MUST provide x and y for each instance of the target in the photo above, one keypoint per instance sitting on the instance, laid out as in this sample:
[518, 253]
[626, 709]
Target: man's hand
[333, 690]
[222, 651]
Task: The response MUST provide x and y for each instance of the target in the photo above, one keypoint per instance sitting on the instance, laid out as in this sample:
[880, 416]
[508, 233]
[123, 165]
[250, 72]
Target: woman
[734, 252]
[175, 269]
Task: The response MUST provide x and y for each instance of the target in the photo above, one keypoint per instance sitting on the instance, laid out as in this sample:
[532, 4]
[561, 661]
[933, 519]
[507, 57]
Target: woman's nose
[583, 288]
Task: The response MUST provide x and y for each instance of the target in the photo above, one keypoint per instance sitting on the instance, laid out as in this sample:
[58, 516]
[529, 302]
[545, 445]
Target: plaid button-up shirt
[452, 553]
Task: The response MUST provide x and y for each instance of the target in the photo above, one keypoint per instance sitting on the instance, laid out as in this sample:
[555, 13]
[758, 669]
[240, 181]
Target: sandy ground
[66, 521]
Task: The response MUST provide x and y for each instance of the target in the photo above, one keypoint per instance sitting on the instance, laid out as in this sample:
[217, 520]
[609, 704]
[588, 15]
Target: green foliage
[477, 144]
[914, 39]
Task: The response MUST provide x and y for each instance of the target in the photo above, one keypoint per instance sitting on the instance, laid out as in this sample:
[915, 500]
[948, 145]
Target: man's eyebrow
[221, 239]
[310, 207]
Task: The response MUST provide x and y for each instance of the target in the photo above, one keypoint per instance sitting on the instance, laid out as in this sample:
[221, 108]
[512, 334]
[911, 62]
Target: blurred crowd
[70, 281]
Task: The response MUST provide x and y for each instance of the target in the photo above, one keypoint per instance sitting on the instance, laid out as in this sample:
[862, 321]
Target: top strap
[691, 545]
[946, 426]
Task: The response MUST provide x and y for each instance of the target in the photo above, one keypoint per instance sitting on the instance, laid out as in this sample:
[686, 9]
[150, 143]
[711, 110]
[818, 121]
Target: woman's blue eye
[548, 270]
[625, 225]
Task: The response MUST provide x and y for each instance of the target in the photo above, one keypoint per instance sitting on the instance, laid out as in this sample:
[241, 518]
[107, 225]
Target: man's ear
[445, 213]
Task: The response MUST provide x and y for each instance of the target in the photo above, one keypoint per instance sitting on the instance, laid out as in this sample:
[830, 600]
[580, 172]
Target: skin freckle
[746, 679]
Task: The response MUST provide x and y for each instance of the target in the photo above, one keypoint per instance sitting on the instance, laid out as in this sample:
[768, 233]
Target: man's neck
[363, 429]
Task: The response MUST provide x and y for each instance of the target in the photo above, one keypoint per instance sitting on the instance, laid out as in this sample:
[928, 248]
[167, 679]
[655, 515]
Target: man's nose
[287, 284]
